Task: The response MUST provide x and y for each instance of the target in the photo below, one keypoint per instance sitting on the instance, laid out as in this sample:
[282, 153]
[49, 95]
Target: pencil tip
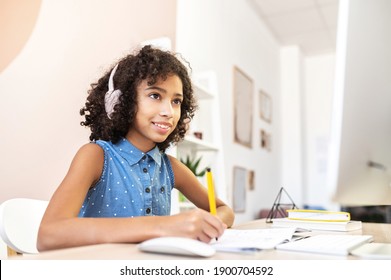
[208, 169]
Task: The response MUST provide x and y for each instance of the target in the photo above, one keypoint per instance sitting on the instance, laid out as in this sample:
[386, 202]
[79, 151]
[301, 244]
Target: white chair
[19, 223]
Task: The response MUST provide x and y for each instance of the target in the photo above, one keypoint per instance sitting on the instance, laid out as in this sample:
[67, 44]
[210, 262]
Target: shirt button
[147, 190]
[162, 189]
[145, 170]
[148, 210]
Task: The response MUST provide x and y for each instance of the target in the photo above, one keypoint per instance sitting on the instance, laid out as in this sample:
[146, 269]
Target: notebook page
[252, 239]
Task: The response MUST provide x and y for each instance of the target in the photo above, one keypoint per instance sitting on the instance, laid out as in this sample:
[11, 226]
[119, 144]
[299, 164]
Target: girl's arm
[188, 184]
[61, 227]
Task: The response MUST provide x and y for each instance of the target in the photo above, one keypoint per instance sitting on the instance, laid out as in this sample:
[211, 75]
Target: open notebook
[333, 244]
[251, 240]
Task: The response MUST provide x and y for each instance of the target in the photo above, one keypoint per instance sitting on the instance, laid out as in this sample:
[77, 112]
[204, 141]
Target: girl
[118, 187]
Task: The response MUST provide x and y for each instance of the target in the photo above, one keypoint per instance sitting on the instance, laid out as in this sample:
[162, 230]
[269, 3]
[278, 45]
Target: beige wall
[44, 84]
[16, 24]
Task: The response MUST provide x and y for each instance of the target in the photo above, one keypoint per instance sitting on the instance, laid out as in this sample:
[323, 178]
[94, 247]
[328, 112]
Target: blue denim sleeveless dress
[133, 183]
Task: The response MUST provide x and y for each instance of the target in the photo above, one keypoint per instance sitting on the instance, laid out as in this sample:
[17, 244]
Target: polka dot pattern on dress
[132, 183]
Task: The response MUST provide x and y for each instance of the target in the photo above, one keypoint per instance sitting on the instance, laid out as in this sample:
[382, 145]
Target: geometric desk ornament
[278, 209]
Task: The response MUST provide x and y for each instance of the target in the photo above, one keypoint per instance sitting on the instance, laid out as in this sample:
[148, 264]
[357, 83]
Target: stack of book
[318, 220]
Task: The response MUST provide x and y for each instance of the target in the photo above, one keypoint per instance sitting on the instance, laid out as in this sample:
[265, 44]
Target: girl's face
[158, 112]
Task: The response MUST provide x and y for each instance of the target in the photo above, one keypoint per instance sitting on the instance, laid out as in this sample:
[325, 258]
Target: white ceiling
[311, 24]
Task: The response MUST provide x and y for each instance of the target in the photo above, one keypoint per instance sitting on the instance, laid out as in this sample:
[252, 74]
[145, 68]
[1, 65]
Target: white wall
[293, 147]
[307, 89]
[210, 34]
[319, 88]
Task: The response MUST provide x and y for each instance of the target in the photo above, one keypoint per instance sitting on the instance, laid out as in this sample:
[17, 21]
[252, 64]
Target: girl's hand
[197, 224]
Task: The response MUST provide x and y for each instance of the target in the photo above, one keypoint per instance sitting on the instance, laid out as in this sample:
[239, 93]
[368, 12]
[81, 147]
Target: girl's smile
[164, 127]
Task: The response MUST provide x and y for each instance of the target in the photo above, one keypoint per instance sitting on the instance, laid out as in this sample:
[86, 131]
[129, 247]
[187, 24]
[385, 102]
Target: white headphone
[111, 96]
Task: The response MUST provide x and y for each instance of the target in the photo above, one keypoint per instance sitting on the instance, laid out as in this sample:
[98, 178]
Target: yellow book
[318, 215]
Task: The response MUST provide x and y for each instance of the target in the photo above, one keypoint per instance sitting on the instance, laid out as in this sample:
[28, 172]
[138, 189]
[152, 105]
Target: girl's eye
[154, 95]
[177, 101]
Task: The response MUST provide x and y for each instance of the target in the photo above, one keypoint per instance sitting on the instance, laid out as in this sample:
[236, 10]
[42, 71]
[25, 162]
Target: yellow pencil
[211, 192]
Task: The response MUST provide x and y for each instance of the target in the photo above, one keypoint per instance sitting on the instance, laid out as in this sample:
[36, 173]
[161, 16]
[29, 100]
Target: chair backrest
[19, 223]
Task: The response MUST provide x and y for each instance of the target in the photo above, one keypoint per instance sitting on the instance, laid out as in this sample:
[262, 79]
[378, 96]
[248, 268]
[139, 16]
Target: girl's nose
[166, 109]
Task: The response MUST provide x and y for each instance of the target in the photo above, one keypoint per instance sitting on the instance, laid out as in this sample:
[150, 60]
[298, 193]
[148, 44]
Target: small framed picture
[265, 106]
[265, 139]
[251, 180]
[239, 189]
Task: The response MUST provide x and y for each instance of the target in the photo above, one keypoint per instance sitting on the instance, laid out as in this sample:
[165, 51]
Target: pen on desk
[211, 193]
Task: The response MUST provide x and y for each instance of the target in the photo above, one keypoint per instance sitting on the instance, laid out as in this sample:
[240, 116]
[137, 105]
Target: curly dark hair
[149, 64]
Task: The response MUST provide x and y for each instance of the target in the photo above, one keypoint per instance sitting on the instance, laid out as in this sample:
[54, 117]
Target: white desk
[380, 232]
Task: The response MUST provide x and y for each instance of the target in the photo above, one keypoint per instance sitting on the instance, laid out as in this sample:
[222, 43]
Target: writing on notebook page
[235, 240]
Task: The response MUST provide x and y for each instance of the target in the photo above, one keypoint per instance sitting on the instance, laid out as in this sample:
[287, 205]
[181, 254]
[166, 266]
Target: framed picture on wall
[239, 189]
[265, 140]
[251, 180]
[243, 104]
[265, 106]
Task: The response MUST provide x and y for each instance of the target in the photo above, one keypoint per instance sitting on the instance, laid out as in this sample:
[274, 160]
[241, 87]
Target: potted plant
[193, 164]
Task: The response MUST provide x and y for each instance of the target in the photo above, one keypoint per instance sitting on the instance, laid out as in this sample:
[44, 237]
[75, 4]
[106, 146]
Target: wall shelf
[193, 143]
[201, 92]
[206, 122]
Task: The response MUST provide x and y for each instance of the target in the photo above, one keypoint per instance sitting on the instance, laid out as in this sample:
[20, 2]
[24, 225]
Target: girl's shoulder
[176, 164]
[91, 149]
[171, 158]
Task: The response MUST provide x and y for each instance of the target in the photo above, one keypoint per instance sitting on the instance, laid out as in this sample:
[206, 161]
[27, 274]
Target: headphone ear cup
[111, 96]
[111, 99]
